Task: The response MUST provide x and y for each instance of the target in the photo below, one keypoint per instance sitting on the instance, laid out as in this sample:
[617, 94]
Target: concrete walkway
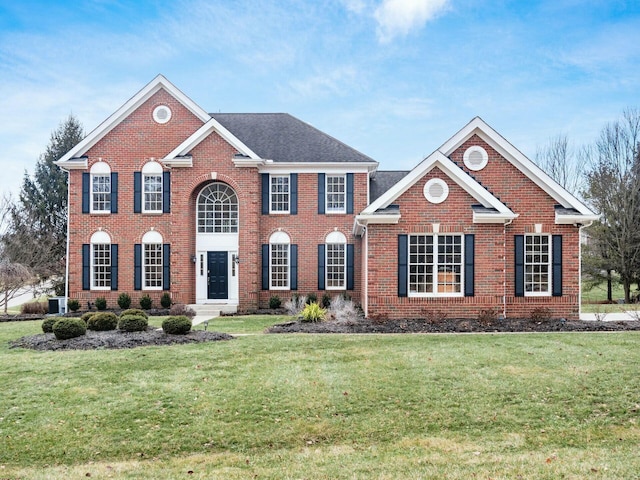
[612, 316]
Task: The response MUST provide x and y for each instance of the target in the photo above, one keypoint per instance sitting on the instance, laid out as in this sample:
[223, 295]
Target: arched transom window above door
[217, 209]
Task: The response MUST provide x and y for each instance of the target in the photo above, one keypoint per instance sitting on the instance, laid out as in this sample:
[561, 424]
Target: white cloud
[399, 17]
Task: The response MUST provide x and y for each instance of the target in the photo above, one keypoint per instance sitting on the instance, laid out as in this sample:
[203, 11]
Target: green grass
[533, 406]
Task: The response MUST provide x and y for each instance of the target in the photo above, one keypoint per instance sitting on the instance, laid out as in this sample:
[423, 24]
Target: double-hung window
[279, 261]
[152, 188]
[336, 261]
[279, 193]
[537, 265]
[100, 188]
[336, 194]
[101, 261]
[152, 266]
[435, 265]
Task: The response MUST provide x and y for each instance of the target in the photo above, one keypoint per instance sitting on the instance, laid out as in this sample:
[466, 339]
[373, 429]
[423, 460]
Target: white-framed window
[217, 209]
[336, 193]
[279, 261]
[152, 261]
[152, 188]
[537, 265]
[336, 261]
[100, 261]
[100, 188]
[435, 265]
[279, 194]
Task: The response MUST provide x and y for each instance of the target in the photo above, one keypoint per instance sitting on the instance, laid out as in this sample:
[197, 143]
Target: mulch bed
[453, 326]
[115, 339]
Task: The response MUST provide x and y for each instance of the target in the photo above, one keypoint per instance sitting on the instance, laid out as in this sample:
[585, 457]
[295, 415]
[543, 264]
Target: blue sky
[392, 78]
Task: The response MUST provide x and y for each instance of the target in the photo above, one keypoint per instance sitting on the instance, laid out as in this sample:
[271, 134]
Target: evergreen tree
[38, 226]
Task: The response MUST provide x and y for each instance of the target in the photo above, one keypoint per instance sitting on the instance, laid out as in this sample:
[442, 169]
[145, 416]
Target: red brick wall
[494, 245]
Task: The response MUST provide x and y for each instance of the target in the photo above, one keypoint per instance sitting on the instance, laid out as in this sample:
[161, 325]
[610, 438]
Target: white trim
[280, 237]
[100, 237]
[562, 219]
[152, 236]
[157, 84]
[330, 168]
[335, 237]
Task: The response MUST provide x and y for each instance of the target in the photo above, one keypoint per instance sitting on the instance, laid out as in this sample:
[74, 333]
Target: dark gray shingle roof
[383, 181]
[283, 138]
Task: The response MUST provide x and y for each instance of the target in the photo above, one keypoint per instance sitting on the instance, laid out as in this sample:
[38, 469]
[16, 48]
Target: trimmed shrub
[47, 324]
[133, 323]
[103, 321]
[71, 327]
[179, 325]
[313, 313]
[145, 302]
[179, 309]
[488, 316]
[124, 301]
[86, 316]
[326, 301]
[101, 303]
[312, 298]
[73, 305]
[34, 308]
[275, 302]
[541, 314]
[165, 300]
[134, 311]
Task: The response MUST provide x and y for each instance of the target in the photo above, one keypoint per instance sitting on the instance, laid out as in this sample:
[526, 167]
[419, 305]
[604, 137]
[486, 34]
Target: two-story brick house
[231, 209]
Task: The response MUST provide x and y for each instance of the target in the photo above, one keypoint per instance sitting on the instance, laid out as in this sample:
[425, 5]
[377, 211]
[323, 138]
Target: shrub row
[124, 302]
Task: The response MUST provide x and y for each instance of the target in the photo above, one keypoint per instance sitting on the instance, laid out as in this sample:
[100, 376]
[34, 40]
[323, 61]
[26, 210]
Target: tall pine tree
[38, 227]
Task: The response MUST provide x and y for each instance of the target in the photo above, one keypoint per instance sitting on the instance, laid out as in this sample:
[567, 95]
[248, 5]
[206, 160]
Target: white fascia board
[81, 163]
[517, 158]
[361, 221]
[179, 162]
[337, 168]
[493, 217]
[125, 110]
[212, 125]
[438, 159]
[575, 219]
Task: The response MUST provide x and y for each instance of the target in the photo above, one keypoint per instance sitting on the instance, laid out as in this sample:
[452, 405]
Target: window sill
[158, 212]
[100, 212]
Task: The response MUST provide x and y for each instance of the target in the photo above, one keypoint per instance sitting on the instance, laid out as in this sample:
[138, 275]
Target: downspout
[580, 227]
[365, 268]
[504, 268]
[66, 274]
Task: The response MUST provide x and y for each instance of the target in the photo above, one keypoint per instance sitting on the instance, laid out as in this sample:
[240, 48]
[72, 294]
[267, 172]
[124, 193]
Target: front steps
[205, 312]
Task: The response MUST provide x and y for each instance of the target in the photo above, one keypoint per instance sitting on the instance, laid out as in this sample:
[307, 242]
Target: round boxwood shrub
[101, 303]
[165, 300]
[86, 316]
[124, 301]
[275, 302]
[179, 325]
[73, 304]
[47, 324]
[103, 321]
[71, 327]
[134, 311]
[145, 302]
[133, 323]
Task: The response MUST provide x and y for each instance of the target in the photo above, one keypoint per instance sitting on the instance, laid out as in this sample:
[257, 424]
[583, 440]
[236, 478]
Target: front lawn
[529, 406]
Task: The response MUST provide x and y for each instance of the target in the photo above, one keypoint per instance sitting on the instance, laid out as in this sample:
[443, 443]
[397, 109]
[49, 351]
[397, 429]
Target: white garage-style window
[336, 261]
[279, 261]
[435, 265]
[152, 261]
[100, 188]
[100, 261]
[217, 209]
[152, 188]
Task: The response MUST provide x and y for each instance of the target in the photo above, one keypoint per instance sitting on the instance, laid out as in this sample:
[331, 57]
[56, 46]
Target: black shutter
[469, 265]
[321, 188]
[114, 266]
[137, 266]
[403, 259]
[265, 266]
[114, 193]
[86, 266]
[321, 265]
[350, 264]
[556, 278]
[293, 284]
[166, 266]
[349, 192]
[86, 194]
[137, 192]
[166, 192]
[519, 265]
[293, 194]
[265, 194]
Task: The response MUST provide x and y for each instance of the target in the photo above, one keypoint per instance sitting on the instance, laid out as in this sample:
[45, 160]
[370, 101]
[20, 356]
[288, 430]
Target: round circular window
[162, 114]
[436, 190]
[475, 158]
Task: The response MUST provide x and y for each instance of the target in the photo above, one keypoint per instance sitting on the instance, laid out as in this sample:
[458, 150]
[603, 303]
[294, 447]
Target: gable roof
[281, 137]
[479, 127]
[160, 82]
[383, 180]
